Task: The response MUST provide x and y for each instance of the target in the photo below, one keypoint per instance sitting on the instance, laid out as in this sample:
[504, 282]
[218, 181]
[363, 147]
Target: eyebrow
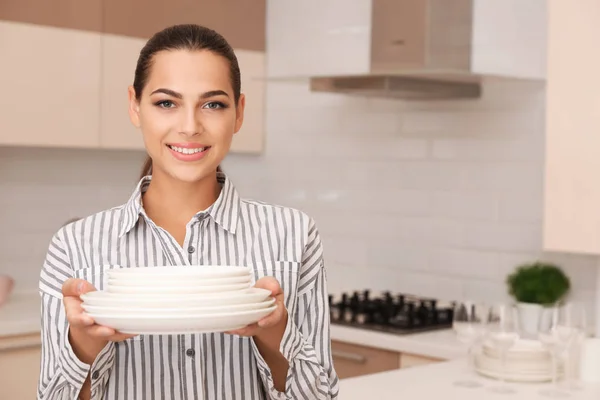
[205, 95]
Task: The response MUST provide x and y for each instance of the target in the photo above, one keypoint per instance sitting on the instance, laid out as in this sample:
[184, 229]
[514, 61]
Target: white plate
[204, 271]
[178, 281]
[104, 298]
[176, 289]
[180, 324]
[136, 311]
[514, 376]
[524, 349]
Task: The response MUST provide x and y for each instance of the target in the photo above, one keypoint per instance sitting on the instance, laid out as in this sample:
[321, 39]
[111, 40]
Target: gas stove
[397, 314]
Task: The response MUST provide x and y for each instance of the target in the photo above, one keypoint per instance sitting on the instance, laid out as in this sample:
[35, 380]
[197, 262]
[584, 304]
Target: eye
[165, 104]
[214, 105]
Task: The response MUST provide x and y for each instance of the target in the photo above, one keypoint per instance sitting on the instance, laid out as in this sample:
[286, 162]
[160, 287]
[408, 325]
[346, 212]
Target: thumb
[76, 287]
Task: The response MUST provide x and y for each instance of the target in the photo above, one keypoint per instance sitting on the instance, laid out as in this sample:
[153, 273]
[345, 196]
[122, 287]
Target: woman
[186, 100]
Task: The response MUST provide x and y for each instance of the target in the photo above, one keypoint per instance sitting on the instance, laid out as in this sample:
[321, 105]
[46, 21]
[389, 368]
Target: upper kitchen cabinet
[126, 30]
[440, 39]
[572, 178]
[50, 72]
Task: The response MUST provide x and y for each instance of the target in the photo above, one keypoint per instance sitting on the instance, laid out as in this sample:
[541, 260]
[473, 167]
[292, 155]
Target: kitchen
[440, 198]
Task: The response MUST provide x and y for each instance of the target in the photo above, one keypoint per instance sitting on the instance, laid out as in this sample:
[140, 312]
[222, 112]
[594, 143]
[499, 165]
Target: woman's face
[187, 113]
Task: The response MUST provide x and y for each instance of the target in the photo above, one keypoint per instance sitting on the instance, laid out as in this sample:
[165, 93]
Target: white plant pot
[531, 317]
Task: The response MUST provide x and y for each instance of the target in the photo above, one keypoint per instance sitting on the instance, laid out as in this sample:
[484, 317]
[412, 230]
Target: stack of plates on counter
[526, 361]
[178, 299]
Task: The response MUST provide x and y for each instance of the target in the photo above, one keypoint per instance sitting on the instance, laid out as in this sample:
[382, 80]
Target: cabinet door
[119, 58]
[399, 34]
[352, 360]
[19, 372]
[572, 188]
[50, 74]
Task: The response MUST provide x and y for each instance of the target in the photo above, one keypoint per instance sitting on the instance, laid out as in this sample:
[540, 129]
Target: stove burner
[400, 314]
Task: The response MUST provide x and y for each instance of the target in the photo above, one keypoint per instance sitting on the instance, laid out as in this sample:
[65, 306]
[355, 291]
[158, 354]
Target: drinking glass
[469, 323]
[556, 337]
[575, 319]
[504, 333]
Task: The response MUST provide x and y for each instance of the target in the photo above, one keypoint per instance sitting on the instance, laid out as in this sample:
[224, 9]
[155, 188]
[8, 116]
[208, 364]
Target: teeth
[187, 151]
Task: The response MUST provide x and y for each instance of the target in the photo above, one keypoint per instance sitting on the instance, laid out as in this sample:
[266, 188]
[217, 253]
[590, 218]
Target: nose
[190, 124]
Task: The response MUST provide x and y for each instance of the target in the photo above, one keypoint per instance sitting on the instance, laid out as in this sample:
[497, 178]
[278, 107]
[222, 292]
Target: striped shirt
[271, 240]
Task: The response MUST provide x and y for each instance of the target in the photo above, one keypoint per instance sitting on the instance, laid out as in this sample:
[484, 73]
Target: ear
[134, 107]
[239, 113]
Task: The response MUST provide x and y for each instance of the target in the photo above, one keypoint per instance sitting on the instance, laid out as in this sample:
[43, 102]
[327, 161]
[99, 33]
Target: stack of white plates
[174, 300]
[526, 361]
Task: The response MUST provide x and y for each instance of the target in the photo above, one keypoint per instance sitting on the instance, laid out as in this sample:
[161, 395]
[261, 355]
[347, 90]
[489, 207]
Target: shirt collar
[224, 211]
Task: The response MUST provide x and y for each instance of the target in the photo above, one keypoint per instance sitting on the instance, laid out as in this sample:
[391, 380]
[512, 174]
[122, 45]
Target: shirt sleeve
[306, 342]
[62, 374]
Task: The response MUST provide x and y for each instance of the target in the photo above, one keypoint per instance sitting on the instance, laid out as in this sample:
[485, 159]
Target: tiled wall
[436, 198]
[40, 189]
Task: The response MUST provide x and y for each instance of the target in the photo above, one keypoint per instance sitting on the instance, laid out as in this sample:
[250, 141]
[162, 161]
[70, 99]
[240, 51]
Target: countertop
[436, 381]
[21, 314]
[441, 344]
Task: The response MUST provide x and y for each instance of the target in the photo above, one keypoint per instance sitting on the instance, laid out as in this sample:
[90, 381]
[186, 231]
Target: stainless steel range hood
[397, 86]
[419, 49]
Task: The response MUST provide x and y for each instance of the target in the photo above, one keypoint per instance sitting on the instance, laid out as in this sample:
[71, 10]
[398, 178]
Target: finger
[75, 314]
[269, 283]
[249, 330]
[273, 318]
[76, 287]
[100, 331]
[118, 337]
[71, 287]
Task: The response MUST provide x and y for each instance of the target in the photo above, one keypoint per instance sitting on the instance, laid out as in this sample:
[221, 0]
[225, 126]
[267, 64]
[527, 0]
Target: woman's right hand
[86, 337]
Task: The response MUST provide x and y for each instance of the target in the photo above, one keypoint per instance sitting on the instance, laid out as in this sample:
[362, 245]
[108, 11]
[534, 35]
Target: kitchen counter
[435, 381]
[20, 315]
[440, 344]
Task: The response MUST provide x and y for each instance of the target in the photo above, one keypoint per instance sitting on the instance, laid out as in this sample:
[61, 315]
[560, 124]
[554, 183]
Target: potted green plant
[535, 286]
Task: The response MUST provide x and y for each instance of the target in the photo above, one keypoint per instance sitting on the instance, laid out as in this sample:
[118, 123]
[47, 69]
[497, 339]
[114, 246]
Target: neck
[176, 201]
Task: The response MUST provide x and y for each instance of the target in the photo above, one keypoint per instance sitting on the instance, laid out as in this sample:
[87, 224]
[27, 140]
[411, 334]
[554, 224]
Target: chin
[190, 174]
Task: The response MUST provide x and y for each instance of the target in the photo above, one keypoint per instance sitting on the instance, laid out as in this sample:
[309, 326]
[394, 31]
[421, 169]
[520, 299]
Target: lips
[188, 151]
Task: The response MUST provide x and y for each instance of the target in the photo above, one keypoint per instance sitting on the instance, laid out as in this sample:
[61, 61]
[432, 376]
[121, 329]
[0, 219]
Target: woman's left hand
[272, 322]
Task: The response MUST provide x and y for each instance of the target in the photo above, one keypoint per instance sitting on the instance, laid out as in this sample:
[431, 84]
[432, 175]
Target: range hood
[397, 86]
[419, 49]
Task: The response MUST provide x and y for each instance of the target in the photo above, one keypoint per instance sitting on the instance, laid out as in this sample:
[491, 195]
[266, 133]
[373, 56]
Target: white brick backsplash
[521, 207]
[508, 238]
[391, 254]
[464, 205]
[469, 264]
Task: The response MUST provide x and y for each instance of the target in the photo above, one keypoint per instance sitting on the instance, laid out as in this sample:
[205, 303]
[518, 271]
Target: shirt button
[191, 249]
[190, 352]
[95, 375]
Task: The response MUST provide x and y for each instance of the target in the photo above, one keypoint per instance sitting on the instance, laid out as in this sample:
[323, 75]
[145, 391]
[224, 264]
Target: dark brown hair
[184, 37]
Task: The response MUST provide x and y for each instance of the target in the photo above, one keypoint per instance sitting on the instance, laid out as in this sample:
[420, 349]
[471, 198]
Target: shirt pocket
[287, 274]
[95, 275]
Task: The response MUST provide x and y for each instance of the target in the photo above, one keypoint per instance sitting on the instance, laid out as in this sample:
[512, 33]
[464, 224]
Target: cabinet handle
[357, 358]
[398, 42]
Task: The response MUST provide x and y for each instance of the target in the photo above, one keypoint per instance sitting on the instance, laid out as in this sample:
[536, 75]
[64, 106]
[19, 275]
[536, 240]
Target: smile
[184, 150]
